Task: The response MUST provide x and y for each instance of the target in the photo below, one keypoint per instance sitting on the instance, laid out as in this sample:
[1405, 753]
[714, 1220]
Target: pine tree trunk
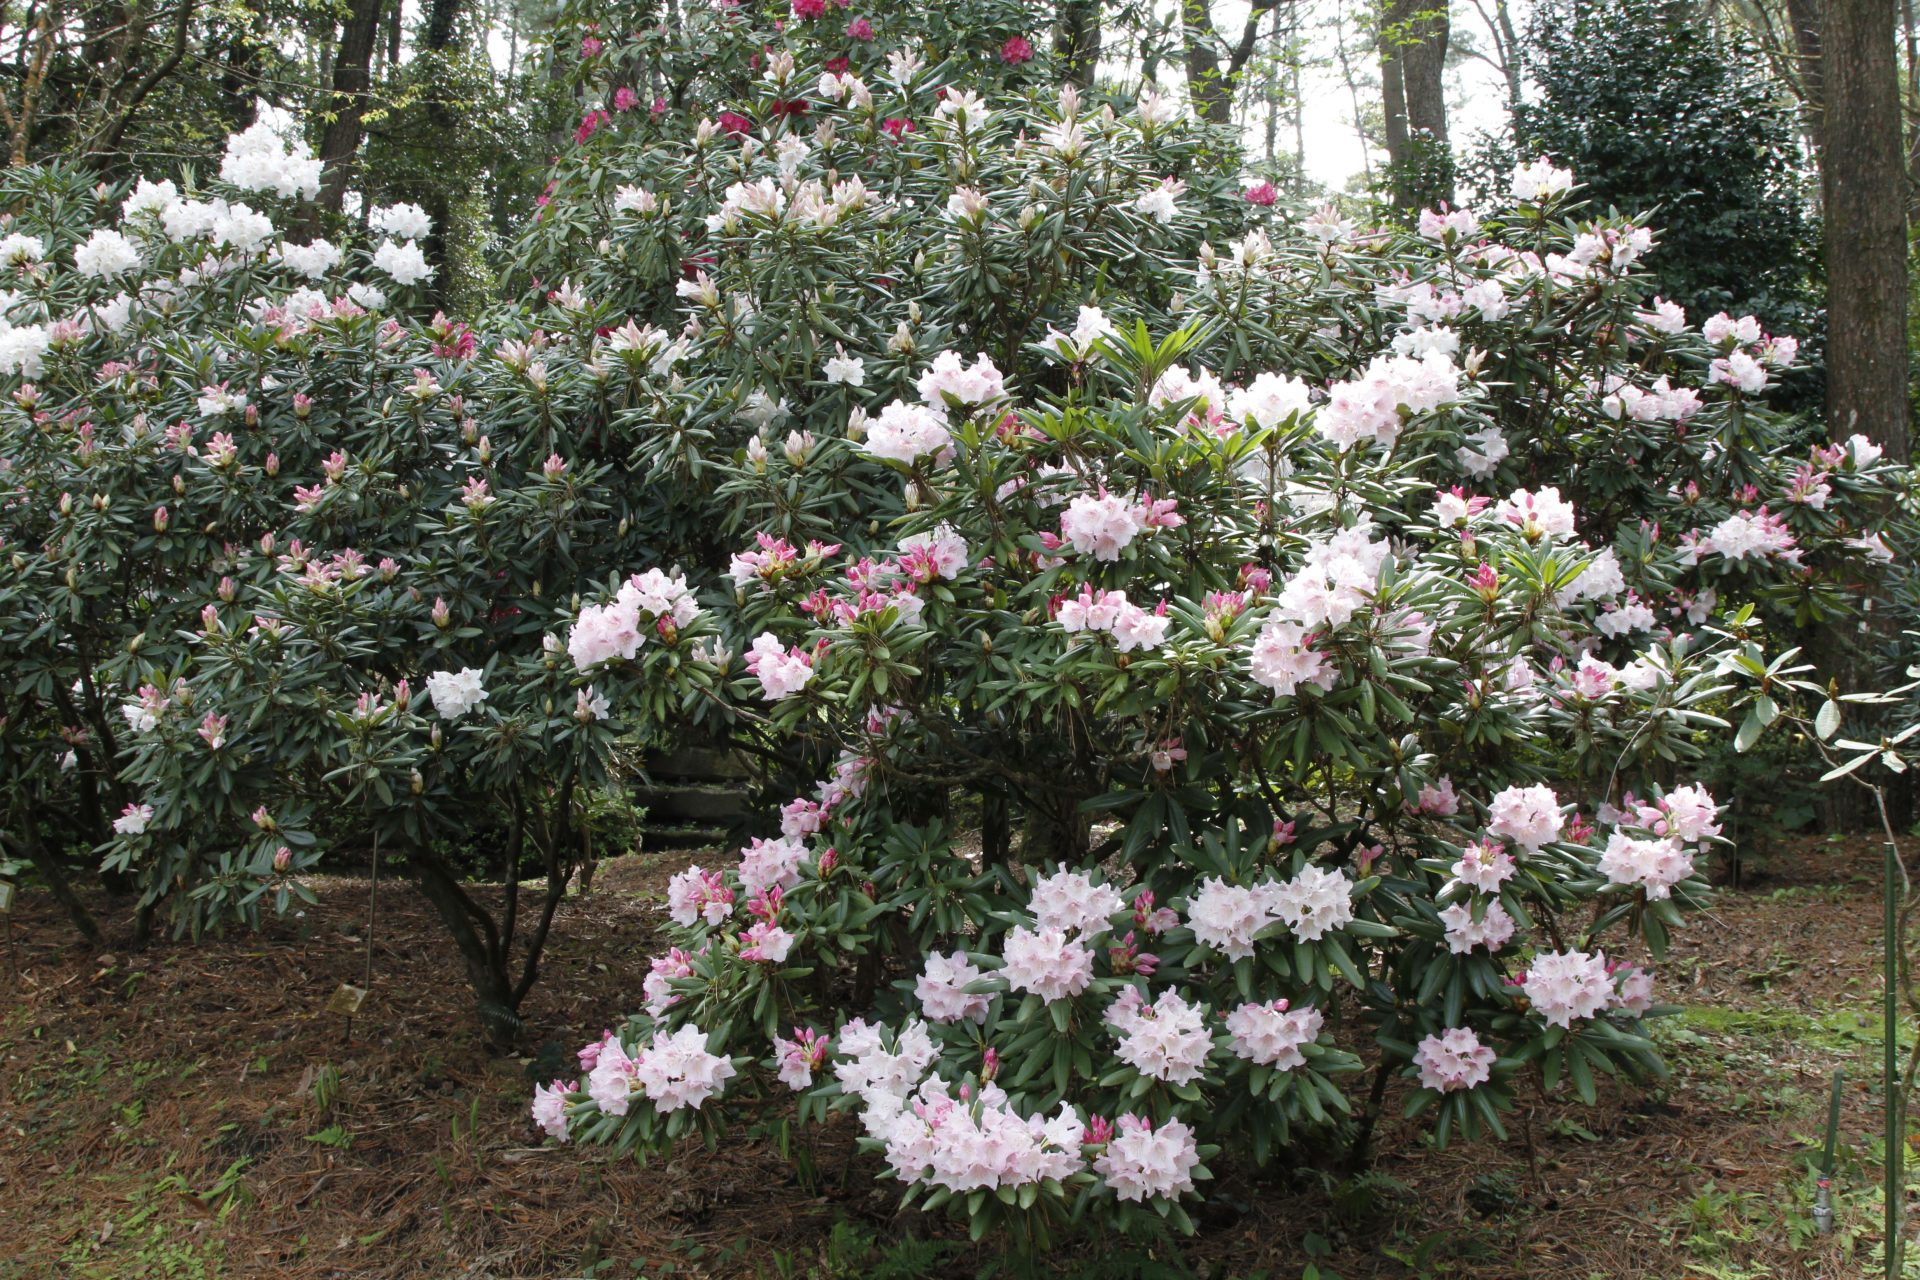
[1863, 182]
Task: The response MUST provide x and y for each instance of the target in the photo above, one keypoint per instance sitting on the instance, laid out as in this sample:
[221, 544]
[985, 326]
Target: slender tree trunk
[393, 35]
[348, 101]
[1863, 180]
[1804, 17]
[1393, 82]
[1353, 91]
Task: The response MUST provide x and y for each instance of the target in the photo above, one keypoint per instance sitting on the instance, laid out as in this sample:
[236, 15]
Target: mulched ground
[159, 1117]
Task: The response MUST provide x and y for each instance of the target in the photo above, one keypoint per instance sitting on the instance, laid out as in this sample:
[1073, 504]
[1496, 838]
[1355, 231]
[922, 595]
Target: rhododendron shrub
[1336, 736]
[290, 573]
[821, 229]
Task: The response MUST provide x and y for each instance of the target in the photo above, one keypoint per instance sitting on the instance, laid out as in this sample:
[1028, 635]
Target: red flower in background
[1016, 51]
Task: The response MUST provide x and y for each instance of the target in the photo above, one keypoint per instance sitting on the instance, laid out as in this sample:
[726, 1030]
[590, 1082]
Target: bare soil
[193, 1110]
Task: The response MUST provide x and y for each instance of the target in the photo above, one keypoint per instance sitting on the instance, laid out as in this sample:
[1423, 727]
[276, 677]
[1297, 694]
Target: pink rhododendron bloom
[696, 894]
[768, 864]
[950, 384]
[800, 1057]
[1283, 659]
[1485, 865]
[766, 943]
[550, 1108]
[908, 432]
[1752, 535]
[133, 820]
[1655, 865]
[1016, 51]
[973, 1144]
[1140, 1162]
[782, 672]
[1367, 409]
[1046, 962]
[876, 1073]
[1272, 1034]
[1260, 193]
[1464, 933]
[658, 986]
[1226, 917]
[1453, 1061]
[860, 29]
[939, 553]
[677, 1071]
[611, 1083]
[941, 989]
[1071, 900]
[1565, 985]
[1540, 514]
[1685, 813]
[1100, 525]
[1314, 903]
[1167, 1040]
[1439, 799]
[1634, 995]
[1529, 816]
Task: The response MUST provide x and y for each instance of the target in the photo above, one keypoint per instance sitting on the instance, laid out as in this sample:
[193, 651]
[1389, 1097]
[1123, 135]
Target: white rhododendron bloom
[402, 260]
[455, 693]
[105, 253]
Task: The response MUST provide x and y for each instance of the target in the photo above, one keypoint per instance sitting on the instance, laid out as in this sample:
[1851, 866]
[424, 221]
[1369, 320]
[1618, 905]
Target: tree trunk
[1393, 83]
[1210, 91]
[1210, 82]
[348, 101]
[443, 248]
[48, 864]
[1863, 184]
[1804, 17]
[482, 950]
[1076, 43]
[1413, 53]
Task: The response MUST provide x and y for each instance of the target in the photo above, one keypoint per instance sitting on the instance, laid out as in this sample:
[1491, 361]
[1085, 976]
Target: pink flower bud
[159, 519]
[282, 859]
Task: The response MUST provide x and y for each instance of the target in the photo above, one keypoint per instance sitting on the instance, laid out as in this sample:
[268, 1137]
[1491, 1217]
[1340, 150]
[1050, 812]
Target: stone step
[664, 838]
[706, 805]
[697, 764]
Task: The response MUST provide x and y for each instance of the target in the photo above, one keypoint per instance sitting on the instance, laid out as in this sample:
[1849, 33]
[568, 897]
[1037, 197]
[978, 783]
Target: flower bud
[273, 464]
[282, 859]
[415, 783]
[442, 616]
[302, 405]
[159, 519]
